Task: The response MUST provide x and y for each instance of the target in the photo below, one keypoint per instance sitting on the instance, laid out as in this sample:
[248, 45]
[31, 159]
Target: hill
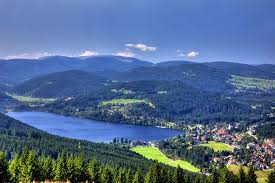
[155, 103]
[196, 75]
[12, 72]
[265, 71]
[60, 84]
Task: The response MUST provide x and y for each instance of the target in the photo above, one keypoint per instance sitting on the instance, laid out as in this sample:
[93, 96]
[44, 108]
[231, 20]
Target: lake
[92, 130]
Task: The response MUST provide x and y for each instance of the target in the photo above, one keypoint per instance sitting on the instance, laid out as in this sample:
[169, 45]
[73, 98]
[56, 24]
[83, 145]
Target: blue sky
[154, 30]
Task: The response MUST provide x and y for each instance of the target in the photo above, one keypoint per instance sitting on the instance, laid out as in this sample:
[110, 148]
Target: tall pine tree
[4, 172]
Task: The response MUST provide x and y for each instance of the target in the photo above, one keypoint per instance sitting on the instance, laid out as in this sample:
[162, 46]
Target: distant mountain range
[19, 70]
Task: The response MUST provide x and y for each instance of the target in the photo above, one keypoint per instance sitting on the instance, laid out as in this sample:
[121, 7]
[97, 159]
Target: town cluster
[247, 148]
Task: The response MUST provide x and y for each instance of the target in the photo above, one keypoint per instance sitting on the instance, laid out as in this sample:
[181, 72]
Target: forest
[172, 100]
[29, 167]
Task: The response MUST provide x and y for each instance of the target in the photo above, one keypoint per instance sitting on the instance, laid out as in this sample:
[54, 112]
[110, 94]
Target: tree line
[29, 167]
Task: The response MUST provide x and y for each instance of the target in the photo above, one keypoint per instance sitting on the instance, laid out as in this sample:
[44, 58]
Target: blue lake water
[92, 130]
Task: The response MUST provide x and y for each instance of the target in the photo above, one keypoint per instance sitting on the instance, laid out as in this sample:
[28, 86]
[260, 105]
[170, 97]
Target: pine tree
[47, 168]
[61, 169]
[121, 178]
[71, 169]
[80, 169]
[93, 171]
[129, 176]
[178, 175]
[242, 175]
[23, 168]
[153, 175]
[251, 176]
[14, 168]
[227, 176]
[138, 177]
[32, 167]
[107, 175]
[271, 178]
[4, 172]
[214, 178]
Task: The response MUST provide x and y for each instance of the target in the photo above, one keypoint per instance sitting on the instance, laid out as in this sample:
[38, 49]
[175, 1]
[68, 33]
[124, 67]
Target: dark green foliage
[93, 171]
[4, 173]
[266, 130]
[61, 84]
[242, 176]
[228, 177]
[76, 169]
[179, 176]
[138, 178]
[271, 177]
[179, 103]
[251, 176]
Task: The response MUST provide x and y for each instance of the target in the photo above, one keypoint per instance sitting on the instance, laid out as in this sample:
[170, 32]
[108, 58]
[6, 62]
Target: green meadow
[126, 101]
[242, 82]
[155, 154]
[218, 146]
[261, 174]
[30, 99]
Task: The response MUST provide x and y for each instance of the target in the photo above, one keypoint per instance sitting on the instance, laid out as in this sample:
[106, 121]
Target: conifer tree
[80, 169]
[138, 177]
[251, 176]
[107, 175]
[47, 168]
[32, 166]
[14, 168]
[23, 170]
[227, 176]
[4, 172]
[178, 175]
[129, 176]
[121, 178]
[93, 171]
[271, 178]
[242, 176]
[214, 178]
[61, 168]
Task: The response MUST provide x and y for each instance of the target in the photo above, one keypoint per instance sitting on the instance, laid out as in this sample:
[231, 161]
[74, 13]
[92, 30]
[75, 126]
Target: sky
[154, 30]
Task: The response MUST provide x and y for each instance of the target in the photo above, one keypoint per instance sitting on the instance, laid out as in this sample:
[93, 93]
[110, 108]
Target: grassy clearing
[155, 154]
[251, 83]
[127, 101]
[218, 146]
[261, 174]
[30, 99]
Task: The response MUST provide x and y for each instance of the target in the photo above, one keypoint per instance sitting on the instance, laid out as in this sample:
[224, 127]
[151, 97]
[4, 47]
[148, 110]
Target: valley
[173, 113]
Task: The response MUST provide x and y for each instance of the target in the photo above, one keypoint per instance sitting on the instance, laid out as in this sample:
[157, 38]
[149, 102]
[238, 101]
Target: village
[244, 147]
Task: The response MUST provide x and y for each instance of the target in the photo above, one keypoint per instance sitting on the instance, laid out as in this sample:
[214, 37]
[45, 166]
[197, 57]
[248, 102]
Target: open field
[251, 83]
[218, 146]
[261, 174]
[155, 154]
[30, 99]
[127, 101]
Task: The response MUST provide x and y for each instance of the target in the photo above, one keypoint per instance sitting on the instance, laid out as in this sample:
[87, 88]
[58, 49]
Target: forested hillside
[196, 75]
[60, 84]
[155, 103]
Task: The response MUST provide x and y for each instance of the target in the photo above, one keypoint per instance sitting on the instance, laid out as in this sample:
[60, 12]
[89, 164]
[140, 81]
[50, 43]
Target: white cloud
[192, 54]
[141, 47]
[124, 54]
[30, 55]
[88, 53]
